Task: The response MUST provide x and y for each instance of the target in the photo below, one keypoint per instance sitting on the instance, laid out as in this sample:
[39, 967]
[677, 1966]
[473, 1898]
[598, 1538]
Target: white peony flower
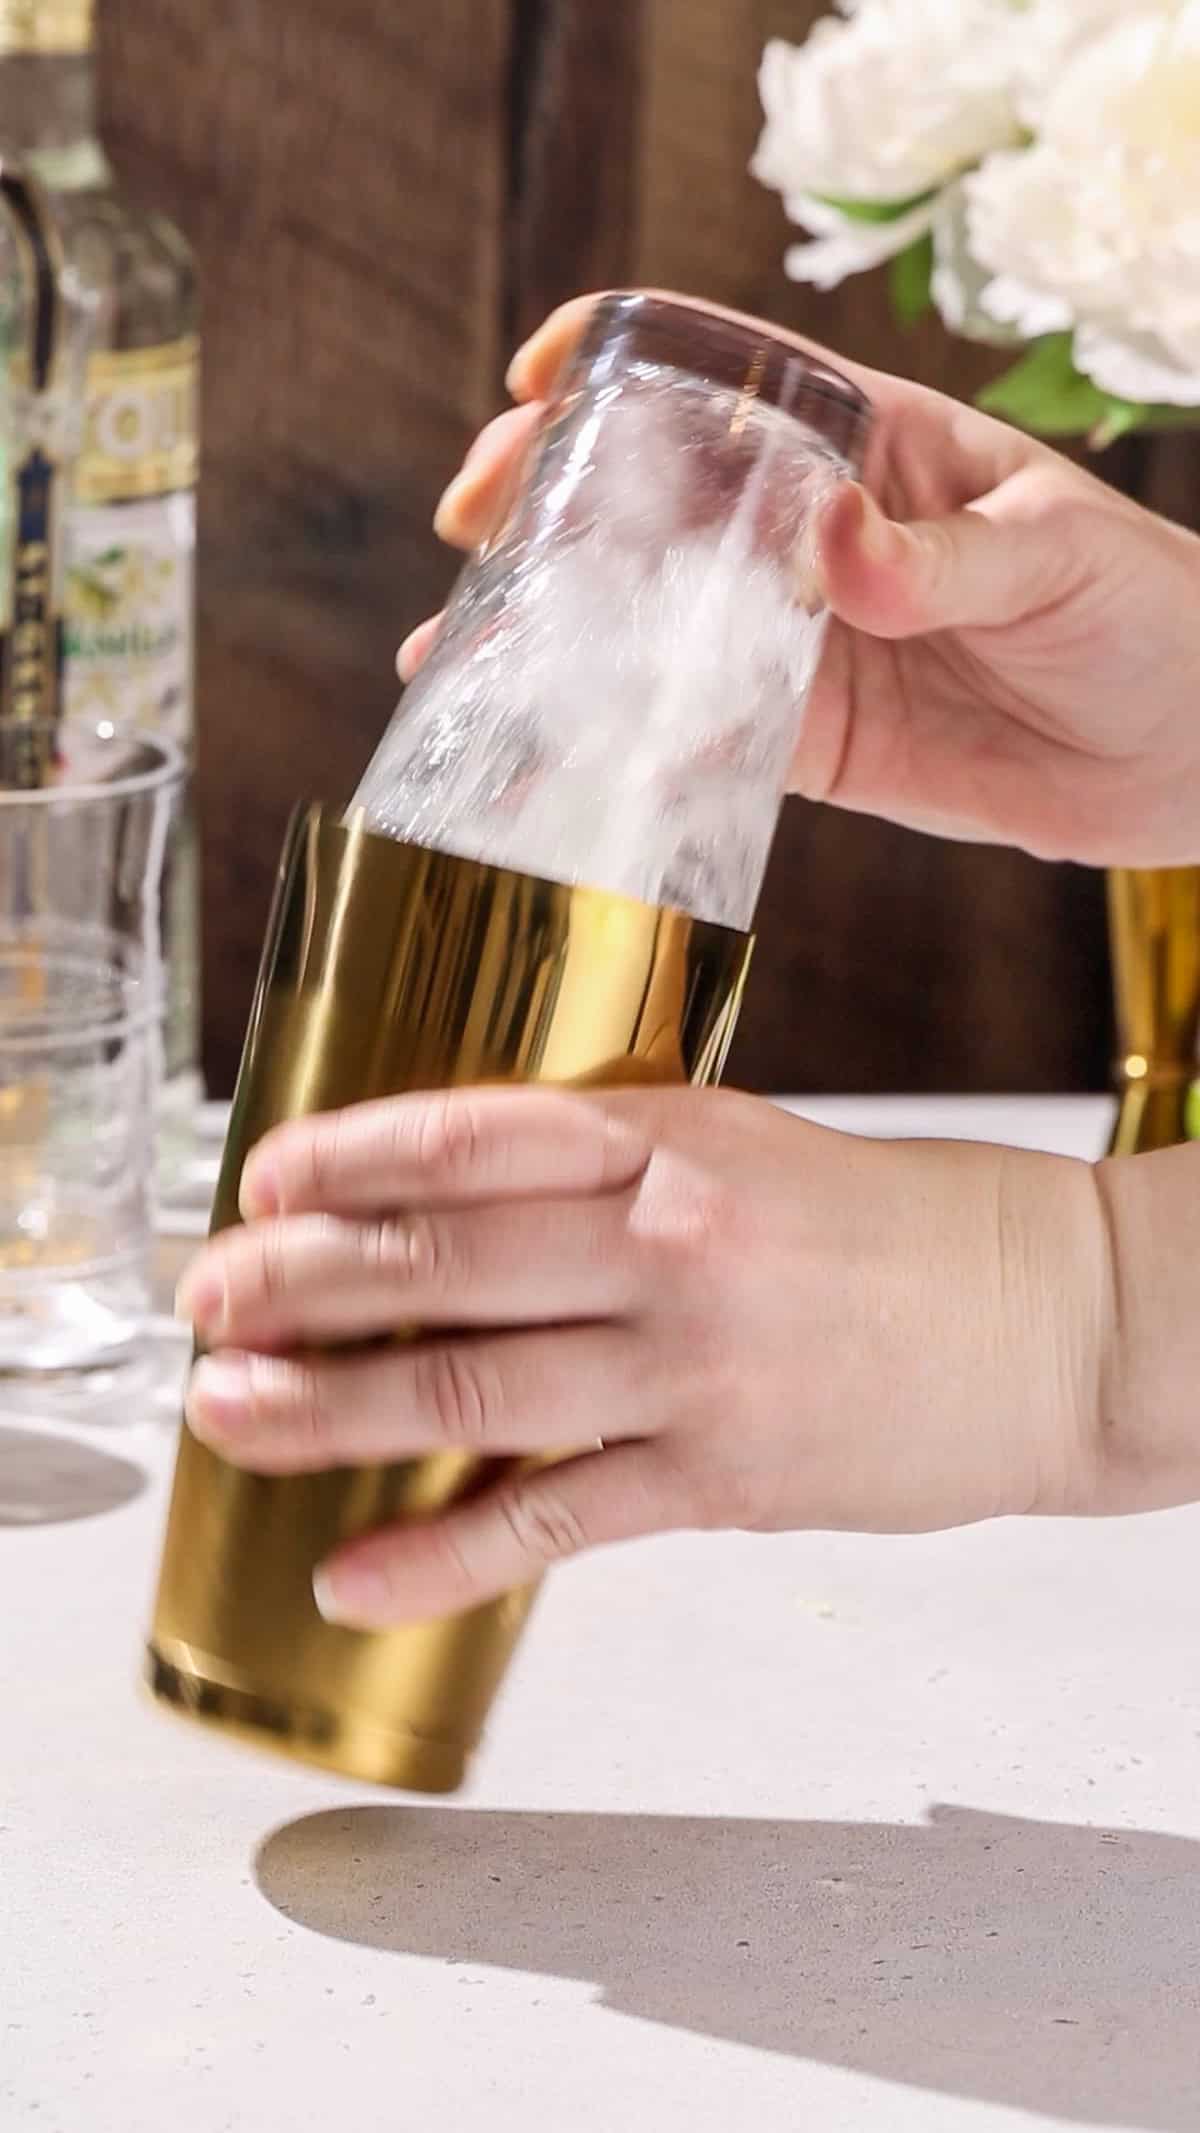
[958, 279]
[1096, 228]
[886, 103]
[1056, 31]
[843, 246]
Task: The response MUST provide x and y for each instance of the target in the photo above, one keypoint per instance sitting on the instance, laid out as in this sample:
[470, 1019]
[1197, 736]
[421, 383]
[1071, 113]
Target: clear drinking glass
[82, 1003]
[617, 693]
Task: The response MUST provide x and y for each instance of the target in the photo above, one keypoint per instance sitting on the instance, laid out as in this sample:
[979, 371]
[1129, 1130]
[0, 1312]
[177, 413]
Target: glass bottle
[44, 342]
[130, 526]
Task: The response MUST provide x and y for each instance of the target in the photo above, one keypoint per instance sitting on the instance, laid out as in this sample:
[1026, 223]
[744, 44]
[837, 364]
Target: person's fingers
[503, 1540]
[538, 364]
[509, 1395]
[417, 646]
[477, 500]
[461, 1147]
[312, 1280]
[882, 577]
[994, 563]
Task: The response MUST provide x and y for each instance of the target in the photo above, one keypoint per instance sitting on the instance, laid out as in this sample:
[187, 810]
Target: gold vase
[1155, 927]
[389, 968]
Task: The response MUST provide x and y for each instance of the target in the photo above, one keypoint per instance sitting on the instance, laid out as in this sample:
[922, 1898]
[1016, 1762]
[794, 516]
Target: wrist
[1057, 1287]
[1146, 1439]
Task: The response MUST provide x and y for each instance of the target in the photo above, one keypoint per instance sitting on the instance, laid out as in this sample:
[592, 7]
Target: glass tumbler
[616, 697]
[81, 1035]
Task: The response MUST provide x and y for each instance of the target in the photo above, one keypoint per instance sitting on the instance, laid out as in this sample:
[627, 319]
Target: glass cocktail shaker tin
[548, 875]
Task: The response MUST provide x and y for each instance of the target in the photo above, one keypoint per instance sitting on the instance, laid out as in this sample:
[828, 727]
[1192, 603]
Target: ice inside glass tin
[618, 693]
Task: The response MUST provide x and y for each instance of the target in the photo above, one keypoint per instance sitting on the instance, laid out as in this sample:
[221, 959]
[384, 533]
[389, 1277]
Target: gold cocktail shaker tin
[391, 968]
[1155, 929]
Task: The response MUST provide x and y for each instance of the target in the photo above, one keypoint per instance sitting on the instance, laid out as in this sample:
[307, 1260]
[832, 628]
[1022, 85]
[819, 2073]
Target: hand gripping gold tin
[391, 968]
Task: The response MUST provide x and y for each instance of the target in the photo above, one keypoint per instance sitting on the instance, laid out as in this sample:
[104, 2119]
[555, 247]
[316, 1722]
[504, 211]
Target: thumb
[979, 568]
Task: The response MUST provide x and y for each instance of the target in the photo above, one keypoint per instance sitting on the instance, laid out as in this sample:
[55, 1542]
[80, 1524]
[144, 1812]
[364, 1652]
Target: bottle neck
[48, 117]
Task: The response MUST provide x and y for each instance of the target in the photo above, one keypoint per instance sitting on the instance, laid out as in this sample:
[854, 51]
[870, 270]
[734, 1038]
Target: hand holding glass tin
[547, 876]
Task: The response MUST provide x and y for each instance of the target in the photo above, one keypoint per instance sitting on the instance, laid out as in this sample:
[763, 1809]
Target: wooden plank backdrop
[383, 195]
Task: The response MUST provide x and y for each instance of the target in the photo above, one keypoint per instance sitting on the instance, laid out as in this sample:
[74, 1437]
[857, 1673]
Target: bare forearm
[1149, 1426]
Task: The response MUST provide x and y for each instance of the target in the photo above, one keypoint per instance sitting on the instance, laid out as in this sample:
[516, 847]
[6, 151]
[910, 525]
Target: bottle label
[128, 605]
[142, 420]
[46, 26]
[130, 542]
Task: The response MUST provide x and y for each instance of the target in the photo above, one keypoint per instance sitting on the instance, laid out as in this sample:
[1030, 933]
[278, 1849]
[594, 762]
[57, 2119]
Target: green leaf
[875, 210]
[912, 281]
[1047, 394]
[1120, 420]
[1192, 1115]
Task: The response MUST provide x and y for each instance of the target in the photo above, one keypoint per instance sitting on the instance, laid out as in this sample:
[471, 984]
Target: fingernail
[325, 1595]
[200, 1301]
[352, 1597]
[809, 582]
[514, 376]
[445, 518]
[259, 1192]
[406, 658]
[220, 1395]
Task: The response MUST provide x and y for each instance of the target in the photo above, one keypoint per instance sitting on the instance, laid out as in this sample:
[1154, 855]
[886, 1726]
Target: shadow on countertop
[1049, 1968]
[48, 1480]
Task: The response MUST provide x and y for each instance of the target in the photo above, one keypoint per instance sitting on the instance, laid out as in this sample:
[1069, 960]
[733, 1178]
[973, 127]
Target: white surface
[1066, 1125]
[818, 1833]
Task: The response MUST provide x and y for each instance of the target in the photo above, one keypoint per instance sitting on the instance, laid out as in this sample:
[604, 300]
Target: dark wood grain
[889, 961]
[1170, 478]
[340, 170]
[575, 114]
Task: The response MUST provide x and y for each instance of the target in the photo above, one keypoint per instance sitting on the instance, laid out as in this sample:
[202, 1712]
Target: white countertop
[821, 1835]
